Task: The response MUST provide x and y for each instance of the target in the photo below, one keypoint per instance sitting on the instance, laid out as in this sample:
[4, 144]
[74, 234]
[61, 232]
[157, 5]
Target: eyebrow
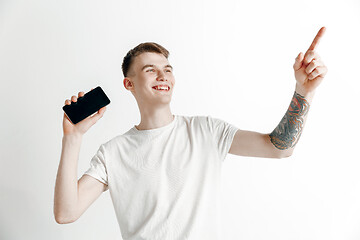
[152, 65]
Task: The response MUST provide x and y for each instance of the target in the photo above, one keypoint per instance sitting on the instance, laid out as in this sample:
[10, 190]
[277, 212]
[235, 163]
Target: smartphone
[85, 106]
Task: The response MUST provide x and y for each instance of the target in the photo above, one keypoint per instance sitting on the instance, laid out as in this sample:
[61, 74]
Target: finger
[312, 65]
[67, 102]
[73, 98]
[317, 38]
[95, 117]
[318, 72]
[298, 61]
[309, 56]
[102, 110]
[314, 83]
[81, 94]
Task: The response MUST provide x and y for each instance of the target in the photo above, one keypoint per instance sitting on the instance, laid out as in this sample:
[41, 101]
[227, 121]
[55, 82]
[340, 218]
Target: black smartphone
[85, 106]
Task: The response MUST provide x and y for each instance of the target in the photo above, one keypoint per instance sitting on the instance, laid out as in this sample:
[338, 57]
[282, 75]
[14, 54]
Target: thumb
[100, 113]
[298, 61]
[94, 118]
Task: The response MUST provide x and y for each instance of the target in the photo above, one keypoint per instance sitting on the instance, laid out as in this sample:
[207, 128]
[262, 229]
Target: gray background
[232, 60]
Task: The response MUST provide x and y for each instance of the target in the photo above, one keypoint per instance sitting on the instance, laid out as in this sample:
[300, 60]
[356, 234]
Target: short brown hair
[141, 48]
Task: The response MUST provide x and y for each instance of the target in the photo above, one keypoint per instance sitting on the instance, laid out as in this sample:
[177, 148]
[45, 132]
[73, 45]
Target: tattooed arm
[309, 72]
[289, 130]
[282, 140]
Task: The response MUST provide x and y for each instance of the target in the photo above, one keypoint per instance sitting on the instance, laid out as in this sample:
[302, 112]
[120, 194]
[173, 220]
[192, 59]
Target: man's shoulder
[116, 139]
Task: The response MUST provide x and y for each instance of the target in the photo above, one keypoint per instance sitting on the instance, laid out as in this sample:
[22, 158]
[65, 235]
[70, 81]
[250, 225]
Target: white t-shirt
[165, 182]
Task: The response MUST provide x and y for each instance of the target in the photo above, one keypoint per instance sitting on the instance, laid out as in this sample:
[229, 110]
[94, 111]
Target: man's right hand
[81, 127]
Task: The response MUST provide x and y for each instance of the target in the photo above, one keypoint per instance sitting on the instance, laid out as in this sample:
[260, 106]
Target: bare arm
[309, 72]
[282, 140]
[66, 187]
[287, 134]
[73, 197]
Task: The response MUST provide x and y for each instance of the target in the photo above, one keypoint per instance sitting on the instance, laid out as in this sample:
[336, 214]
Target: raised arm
[309, 72]
[72, 196]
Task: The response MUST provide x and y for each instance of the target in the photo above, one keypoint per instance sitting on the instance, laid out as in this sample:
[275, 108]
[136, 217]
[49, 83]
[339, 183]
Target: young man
[163, 174]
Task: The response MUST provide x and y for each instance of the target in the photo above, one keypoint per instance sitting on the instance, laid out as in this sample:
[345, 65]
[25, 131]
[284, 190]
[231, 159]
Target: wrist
[72, 137]
[303, 92]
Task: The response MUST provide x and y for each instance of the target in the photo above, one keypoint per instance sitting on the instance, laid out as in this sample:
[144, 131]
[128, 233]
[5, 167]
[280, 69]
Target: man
[163, 174]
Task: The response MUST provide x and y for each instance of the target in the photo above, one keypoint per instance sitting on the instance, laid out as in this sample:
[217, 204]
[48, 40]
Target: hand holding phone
[77, 119]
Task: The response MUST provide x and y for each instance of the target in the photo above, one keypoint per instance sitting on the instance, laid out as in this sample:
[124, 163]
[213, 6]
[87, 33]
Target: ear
[127, 83]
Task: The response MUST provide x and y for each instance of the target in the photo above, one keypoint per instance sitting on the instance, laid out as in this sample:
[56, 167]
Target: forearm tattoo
[289, 130]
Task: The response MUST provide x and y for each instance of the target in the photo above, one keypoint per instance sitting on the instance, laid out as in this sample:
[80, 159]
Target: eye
[149, 70]
[169, 70]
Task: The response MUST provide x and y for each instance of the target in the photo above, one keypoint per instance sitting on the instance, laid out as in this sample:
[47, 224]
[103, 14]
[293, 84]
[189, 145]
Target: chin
[162, 100]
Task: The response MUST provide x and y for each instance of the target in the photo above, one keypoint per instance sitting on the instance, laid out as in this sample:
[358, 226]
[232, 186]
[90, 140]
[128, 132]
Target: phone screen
[85, 106]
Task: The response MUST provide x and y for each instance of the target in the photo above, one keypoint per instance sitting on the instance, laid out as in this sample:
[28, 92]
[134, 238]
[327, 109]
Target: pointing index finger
[316, 40]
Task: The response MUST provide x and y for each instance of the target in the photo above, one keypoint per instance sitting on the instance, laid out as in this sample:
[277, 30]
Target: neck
[155, 117]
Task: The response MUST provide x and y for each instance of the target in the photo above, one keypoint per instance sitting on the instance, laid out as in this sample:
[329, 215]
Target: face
[148, 71]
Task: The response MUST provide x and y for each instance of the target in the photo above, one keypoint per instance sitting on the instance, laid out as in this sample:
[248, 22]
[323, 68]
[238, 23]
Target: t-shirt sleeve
[97, 167]
[223, 134]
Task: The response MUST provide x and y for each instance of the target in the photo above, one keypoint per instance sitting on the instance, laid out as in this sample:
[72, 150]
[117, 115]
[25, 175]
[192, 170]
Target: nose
[161, 76]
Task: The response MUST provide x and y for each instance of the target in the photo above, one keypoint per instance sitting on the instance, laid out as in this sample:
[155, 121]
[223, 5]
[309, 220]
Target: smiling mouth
[162, 88]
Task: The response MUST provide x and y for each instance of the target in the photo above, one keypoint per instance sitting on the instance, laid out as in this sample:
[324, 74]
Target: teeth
[161, 88]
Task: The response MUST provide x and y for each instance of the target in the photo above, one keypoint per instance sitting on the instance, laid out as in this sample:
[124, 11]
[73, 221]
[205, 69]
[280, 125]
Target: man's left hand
[309, 69]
